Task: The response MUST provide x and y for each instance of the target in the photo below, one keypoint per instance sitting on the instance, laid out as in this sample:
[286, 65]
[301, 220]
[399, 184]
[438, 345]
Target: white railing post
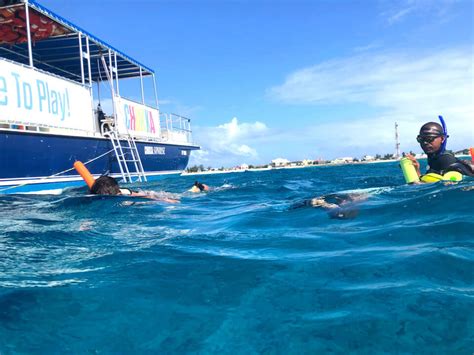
[111, 83]
[111, 71]
[156, 92]
[28, 34]
[141, 86]
[79, 36]
[89, 61]
[116, 73]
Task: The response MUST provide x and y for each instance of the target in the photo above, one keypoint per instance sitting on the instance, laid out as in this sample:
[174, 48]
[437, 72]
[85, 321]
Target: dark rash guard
[444, 162]
[440, 163]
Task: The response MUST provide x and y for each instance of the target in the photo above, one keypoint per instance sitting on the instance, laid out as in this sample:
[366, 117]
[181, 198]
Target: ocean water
[245, 268]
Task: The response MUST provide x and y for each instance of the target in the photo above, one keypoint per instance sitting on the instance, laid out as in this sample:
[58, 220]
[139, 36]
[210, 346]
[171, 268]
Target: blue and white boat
[52, 76]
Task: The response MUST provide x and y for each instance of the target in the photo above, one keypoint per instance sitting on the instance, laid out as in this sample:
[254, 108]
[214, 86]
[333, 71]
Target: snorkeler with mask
[433, 138]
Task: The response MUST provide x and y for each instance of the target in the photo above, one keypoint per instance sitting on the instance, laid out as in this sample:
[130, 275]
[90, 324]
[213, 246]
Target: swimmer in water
[106, 185]
[198, 187]
[338, 205]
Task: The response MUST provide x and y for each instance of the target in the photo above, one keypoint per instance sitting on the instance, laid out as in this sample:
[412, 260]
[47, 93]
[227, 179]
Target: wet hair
[105, 185]
[199, 185]
[431, 129]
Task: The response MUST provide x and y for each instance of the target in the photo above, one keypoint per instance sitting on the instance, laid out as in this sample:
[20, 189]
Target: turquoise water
[240, 269]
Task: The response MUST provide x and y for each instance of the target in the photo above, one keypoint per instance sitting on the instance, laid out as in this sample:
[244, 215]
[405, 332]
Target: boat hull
[36, 160]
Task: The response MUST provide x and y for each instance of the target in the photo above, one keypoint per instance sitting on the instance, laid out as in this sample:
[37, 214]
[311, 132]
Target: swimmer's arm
[320, 202]
[152, 196]
[155, 197]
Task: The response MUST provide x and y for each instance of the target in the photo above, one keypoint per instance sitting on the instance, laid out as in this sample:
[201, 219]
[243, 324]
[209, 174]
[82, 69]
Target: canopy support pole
[156, 93]
[81, 56]
[116, 73]
[141, 86]
[89, 61]
[28, 34]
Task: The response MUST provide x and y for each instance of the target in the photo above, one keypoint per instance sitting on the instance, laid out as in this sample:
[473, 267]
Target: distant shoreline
[210, 172]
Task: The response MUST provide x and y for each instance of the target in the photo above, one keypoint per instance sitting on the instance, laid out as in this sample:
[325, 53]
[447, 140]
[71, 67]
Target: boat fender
[449, 176]
[409, 171]
[85, 173]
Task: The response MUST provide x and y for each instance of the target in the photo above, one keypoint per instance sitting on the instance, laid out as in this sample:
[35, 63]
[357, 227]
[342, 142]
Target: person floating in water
[106, 185]
[198, 187]
[338, 205]
[432, 139]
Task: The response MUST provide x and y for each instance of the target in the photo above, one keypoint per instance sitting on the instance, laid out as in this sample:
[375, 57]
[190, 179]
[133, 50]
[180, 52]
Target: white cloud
[384, 87]
[229, 143]
[397, 11]
[398, 14]
[384, 80]
[244, 149]
[403, 88]
[234, 130]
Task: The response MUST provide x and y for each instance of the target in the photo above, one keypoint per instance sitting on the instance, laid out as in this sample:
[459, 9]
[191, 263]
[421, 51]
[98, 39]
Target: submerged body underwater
[240, 269]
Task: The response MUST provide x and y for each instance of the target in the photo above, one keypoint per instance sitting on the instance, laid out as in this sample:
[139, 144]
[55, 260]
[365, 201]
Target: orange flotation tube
[86, 175]
[471, 150]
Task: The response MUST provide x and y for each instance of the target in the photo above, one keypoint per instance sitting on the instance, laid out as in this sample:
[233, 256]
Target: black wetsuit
[343, 205]
[444, 162]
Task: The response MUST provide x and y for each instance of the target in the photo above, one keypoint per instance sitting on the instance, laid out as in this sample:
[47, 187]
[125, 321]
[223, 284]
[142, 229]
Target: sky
[298, 79]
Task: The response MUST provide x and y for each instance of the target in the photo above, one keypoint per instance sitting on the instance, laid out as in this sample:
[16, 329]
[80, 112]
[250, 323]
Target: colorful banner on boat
[31, 97]
[138, 119]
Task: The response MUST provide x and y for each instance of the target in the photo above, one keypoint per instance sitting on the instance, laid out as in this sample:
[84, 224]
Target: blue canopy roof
[56, 46]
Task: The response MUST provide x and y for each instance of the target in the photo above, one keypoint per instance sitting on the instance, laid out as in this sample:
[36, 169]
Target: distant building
[280, 162]
[244, 166]
[343, 160]
[368, 158]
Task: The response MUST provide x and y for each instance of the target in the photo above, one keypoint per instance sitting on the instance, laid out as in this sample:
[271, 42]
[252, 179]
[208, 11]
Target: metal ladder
[127, 154]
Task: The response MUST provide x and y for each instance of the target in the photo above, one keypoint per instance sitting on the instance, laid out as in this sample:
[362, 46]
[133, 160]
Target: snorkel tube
[85, 173]
[445, 135]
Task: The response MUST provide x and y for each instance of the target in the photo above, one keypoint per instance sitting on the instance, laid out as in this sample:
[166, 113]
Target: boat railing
[175, 128]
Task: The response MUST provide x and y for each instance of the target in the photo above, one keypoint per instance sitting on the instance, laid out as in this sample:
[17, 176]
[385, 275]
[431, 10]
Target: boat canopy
[56, 45]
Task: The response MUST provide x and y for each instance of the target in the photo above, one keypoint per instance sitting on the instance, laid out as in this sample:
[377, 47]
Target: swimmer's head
[199, 186]
[105, 185]
[431, 129]
[431, 137]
